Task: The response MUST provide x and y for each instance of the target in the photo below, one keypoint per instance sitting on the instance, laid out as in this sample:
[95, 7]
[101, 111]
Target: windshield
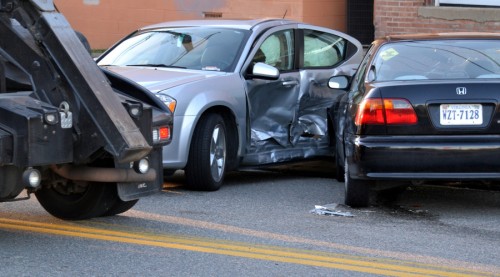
[437, 60]
[192, 48]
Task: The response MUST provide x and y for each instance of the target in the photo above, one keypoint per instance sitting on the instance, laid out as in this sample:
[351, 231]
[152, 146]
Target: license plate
[461, 114]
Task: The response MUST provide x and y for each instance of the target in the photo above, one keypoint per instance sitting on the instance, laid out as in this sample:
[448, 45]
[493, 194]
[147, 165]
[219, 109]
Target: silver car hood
[158, 79]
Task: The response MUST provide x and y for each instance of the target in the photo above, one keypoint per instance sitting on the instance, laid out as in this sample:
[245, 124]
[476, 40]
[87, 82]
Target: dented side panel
[290, 123]
[288, 117]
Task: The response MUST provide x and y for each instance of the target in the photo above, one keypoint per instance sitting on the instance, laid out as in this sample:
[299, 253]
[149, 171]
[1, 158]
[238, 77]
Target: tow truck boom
[89, 142]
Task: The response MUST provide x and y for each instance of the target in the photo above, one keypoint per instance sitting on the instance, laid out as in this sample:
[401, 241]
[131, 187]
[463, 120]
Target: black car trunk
[447, 108]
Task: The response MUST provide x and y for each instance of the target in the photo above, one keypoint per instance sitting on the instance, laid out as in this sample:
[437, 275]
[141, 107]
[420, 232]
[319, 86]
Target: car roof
[440, 36]
[245, 24]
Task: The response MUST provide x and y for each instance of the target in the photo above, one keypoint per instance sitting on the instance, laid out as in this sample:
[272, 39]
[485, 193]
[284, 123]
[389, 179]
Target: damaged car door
[288, 112]
[272, 103]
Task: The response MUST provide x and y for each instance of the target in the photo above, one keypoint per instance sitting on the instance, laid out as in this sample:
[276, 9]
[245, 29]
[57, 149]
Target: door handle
[290, 83]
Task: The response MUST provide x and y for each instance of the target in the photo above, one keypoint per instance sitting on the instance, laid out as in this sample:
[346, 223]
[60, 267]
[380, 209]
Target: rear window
[437, 60]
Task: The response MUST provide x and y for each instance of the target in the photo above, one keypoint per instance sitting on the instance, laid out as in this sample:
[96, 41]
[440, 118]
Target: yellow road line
[319, 259]
[388, 256]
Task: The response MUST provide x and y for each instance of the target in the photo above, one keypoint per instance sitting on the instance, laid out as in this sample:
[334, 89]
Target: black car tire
[94, 201]
[206, 165]
[357, 192]
[339, 168]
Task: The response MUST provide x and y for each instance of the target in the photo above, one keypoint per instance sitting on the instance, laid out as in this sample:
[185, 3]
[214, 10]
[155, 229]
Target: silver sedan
[243, 92]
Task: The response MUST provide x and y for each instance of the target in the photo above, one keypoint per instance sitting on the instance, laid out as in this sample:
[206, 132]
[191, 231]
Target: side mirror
[265, 71]
[338, 82]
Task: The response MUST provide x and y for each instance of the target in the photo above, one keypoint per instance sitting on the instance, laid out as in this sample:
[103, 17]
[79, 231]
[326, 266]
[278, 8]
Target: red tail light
[164, 133]
[161, 134]
[390, 111]
[370, 111]
[399, 111]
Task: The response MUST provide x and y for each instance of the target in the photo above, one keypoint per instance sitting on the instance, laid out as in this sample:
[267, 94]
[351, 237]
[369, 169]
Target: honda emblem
[461, 90]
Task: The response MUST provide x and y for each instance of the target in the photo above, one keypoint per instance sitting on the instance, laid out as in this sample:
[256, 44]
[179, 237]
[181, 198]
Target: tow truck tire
[206, 165]
[96, 200]
[120, 207]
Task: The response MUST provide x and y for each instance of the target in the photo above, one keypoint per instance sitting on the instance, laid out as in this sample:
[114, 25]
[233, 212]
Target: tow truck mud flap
[132, 191]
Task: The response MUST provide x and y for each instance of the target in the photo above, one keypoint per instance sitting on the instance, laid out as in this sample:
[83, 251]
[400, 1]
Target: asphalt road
[260, 224]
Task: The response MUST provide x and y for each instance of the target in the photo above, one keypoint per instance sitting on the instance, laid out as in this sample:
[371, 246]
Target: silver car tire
[357, 192]
[206, 165]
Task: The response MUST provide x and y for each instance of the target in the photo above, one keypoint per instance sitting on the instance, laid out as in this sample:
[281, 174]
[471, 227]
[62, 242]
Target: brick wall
[421, 16]
[104, 22]
[326, 13]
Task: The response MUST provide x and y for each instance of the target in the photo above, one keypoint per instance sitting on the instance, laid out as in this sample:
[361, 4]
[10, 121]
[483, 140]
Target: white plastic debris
[330, 209]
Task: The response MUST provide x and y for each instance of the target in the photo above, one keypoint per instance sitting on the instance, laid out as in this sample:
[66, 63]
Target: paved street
[260, 224]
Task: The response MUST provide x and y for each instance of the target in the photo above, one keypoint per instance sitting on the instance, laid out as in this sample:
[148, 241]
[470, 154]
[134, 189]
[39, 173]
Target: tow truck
[85, 141]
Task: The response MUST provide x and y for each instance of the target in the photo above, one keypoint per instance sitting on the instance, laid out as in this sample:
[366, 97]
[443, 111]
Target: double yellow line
[385, 267]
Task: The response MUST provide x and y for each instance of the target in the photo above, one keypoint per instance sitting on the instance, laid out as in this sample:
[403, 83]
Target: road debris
[330, 209]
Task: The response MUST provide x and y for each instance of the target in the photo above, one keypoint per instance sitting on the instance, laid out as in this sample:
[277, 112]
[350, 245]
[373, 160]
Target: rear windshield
[437, 60]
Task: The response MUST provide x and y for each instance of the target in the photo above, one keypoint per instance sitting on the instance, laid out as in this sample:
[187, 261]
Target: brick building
[106, 21]
[417, 16]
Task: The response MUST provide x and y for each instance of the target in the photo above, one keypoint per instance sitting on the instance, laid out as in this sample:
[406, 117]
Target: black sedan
[420, 108]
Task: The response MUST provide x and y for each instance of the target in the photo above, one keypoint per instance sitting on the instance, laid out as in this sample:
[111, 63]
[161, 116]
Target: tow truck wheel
[120, 206]
[206, 165]
[79, 200]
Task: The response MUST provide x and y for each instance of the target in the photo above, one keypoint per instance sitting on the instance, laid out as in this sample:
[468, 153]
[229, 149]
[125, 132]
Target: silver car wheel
[206, 166]
[218, 153]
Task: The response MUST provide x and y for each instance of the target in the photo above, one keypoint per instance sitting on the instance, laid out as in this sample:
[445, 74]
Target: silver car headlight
[169, 101]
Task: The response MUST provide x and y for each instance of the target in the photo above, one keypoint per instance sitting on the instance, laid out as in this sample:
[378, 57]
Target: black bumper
[424, 157]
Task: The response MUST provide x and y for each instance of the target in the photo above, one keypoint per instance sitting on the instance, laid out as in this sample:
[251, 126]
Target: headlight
[169, 101]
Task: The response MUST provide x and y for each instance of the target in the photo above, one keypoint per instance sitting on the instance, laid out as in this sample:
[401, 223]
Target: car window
[362, 73]
[193, 48]
[362, 69]
[323, 49]
[438, 60]
[277, 50]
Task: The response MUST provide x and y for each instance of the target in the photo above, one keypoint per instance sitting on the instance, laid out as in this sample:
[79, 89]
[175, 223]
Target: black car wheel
[77, 200]
[339, 169]
[357, 192]
[206, 165]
